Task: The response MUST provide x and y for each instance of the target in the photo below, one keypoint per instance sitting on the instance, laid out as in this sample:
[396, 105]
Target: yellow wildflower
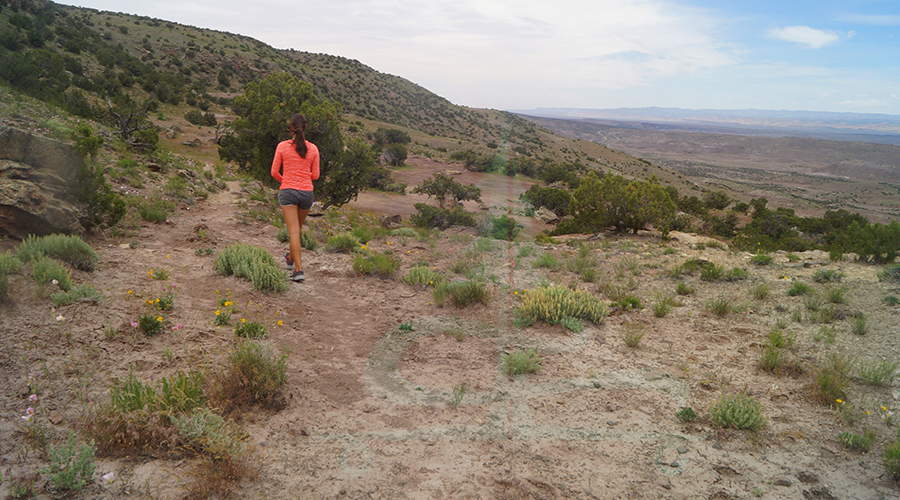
[218, 312]
[280, 323]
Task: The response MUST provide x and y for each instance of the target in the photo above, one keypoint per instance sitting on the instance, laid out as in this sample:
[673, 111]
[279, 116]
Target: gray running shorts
[303, 199]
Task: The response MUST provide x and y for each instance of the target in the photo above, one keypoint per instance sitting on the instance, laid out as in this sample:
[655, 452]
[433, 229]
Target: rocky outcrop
[391, 221]
[546, 216]
[37, 176]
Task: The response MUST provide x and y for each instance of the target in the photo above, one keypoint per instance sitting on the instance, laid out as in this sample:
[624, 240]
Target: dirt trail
[369, 413]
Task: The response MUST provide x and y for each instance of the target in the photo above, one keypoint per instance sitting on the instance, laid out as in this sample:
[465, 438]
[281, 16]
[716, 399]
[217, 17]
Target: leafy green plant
[253, 263]
[342, 243]
[459, 391]
[406, 326]
[827, 275]
[155, 209]
[460, 292]
[8, 264]
[159, 274]
[890, 273]
[222, 318]
[500, 228]
[684, 289]
[379, 264]
[799, 288]
[738, 411]
[891, 457]
[686, 414]
[877, 372]
[792, 257]
[856, 442]
[556, 305]
[663, 304]
[547, 260]
[711, 272]
[777, 338]
[735, 274]
[308, 241]
[150, 324]
[627, 302]
[71, 469]
[250, 330]
[833, 378]
[761, 259]
[771, 358]
[633, 333]
[825, 333]
[859, 326]
[521, 362]
[46, 271]
[890, 299]
[421, 275]
[70, 249]
[206, 432]
[720, 306]
[760, 291]
[405, 231]
[76, 294]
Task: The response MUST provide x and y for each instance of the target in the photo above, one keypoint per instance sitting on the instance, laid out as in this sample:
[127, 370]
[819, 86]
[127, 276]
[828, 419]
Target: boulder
[546, 216]
[36, 179]
[391, 221]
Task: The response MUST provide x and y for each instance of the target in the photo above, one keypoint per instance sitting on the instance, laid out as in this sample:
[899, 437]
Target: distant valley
[803, 161]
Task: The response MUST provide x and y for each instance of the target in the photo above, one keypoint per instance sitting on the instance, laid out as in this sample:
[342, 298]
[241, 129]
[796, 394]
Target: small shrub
[253, 376]
[825, 333]
[223, 317]
[837, 295]
[70, 249]
[792, 257]
[711, 272]
[777, 338]
[283, 235]
[890, 273]
[77, 293]
[891, 457]
[521, 362]
[406, 327]
[8, 264]
[46, 271]
[627, 302]
[342, 243]
[405, 231]
[379, 264]
[684, 289]
[633, 333]
[463, 293]
[362, 234]
[686, 414]
[890, 299]
[663, 304]
[878, 372]
[720, 306]
[693, 265]
[155, 209]
[253, 263]
[251, 330]
[735, 274]
[833, 378]
[675, 272]
[71, 469]
[459, 391]
[500, 228]
[548, 261]
[859, 326]
[856, 442]
[799, 288]
[770, 358]
[421, 276]
[827, 275]
[554, 304]
[159, 274]
[150, 324]
[308, 241]
[761, 259]
[760, 291]
[738, 411]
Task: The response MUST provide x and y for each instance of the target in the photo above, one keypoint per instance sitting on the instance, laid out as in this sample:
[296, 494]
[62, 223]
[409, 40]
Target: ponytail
[297, 126]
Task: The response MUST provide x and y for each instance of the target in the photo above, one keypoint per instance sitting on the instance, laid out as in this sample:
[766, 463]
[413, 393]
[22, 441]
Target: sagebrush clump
[557, 305]
[253, 263]
[738, 411]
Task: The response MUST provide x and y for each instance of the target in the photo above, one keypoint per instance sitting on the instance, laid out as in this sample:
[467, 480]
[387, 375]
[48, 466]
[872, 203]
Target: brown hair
[297, 126]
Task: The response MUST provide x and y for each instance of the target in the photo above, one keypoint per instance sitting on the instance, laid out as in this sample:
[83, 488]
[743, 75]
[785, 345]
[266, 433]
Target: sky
[824, 55]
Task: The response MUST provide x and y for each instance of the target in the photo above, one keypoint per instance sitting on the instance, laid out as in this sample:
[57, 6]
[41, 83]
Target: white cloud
[868, 103]
[811, 37]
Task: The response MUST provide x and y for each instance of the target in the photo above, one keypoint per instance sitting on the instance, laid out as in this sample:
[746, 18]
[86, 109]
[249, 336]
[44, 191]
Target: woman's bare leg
[293, 219]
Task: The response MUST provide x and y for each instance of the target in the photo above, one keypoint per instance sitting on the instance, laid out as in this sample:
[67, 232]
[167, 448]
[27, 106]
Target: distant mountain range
[864, 127]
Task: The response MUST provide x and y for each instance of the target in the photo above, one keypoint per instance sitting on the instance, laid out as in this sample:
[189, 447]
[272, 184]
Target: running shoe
[298, 276]
[288, 260]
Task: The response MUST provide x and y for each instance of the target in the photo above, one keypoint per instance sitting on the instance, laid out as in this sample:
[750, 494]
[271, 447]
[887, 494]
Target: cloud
[811, 37]
[868, 103]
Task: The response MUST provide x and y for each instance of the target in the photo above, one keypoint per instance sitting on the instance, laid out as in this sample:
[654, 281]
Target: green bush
[70, 249]
[308, 241]
[8, 264]
[686, 414]
[720, 306]
[663, 304]
[253, 263]
[760, 291]
[521, 362]
[548, 261]
[891, 457]
[684, 289]
[827, 275]
[761, 259]
[208, 433]
[441, 218]
[735, 274]
[878, 372]
[155, 209]
[711, 272]
[71, 469]
[379, 264]
[421, 275]
[342, 243]
[738, 411]
[799, 288]
[500, 228]
[461, 293]
[859, 326]
[254, 375]
[890, 273]
[856, 442]
[405, 231]
[558, 305]
[833, 378]
[75, 294]
[250, 330]
[46, 271]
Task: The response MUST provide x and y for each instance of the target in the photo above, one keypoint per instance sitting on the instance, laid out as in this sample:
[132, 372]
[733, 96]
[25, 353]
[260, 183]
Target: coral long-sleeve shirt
[293, 171]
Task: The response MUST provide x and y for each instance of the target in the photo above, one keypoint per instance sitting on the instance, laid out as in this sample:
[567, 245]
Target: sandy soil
[369, 413]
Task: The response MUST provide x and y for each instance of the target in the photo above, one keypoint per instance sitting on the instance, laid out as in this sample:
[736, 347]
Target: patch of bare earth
[369, 411]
